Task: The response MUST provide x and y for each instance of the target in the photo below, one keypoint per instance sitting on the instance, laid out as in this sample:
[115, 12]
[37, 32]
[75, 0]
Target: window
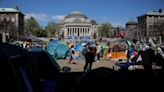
[7, 19]
[13, 19]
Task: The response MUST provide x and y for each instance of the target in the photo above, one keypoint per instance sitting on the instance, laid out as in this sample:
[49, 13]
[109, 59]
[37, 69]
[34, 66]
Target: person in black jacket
[89, 57]
[147, 58]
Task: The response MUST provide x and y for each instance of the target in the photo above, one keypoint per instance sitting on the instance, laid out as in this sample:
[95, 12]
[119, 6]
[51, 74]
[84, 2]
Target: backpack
[73, 52]
[84, 51]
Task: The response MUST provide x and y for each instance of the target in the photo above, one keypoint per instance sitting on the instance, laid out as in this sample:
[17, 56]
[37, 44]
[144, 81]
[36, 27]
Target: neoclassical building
[77, 24]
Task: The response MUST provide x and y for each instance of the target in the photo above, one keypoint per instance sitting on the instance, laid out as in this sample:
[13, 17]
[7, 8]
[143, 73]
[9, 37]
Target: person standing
[89, 57]
[72, 53]
[147, 57]
[98, 51]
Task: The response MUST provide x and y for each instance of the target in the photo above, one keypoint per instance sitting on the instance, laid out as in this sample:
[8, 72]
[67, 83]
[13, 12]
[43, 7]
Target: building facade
[77, 24]
[147, 25]
[131, 29]
[131, 25]
[12, 24]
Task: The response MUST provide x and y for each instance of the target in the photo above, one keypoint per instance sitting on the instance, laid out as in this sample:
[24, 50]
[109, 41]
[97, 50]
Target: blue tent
[63, 42]
[78, 47]
[72, 37]
[52, 46]
[61, 50]
[54, 41]
[85, 37]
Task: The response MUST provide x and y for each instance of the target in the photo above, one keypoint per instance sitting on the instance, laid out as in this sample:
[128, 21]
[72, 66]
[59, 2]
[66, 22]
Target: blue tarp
[85, 37]
[78, 47]
[72, 37]
[91, 42]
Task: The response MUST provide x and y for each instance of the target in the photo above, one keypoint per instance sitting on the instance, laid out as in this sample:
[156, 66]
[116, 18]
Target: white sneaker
[131, 67]
[98, 61]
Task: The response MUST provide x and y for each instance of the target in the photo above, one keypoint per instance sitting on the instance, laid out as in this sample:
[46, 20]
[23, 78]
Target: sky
[116, 12]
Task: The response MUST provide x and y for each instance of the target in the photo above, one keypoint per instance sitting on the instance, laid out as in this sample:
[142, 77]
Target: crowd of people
[91, 53]
[145, 55]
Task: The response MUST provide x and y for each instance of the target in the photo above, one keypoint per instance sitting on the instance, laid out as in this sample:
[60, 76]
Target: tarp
[72, 37]
[118, 55]
[91, 42]
[118, 52]
[85, 37]
[78, 47]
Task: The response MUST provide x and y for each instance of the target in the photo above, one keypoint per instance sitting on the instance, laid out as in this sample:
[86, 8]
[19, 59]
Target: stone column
[69, 31]
[90, 31]
[3, 37]
[82, 31]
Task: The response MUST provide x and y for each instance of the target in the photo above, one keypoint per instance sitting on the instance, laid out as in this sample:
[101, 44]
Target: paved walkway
[78, 67]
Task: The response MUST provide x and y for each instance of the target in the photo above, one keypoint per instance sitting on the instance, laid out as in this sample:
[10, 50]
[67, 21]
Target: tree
[53, 29]
[40, 32]
[105, 30]
[31, 26]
